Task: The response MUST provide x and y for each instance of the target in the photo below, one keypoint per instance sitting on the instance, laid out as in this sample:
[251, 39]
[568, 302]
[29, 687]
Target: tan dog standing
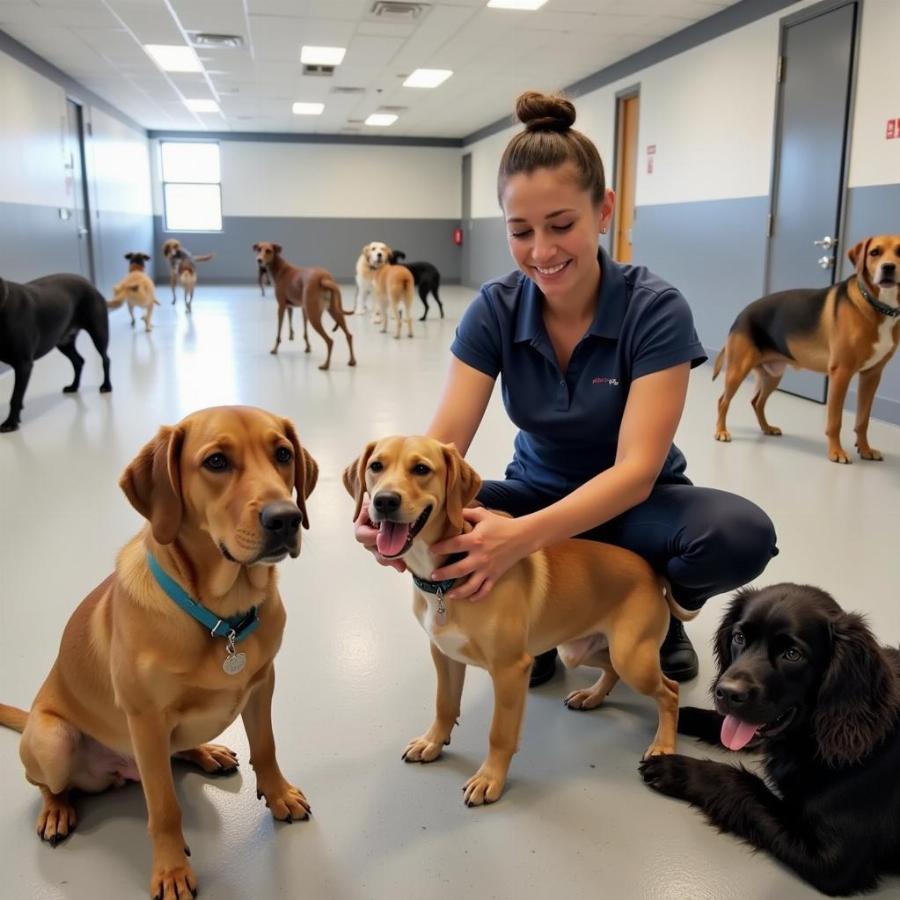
[600, 605]
[183, 269]
[851, 327]
[394, 290]
[371, 258]
[137, 679]
[137, 290]
[313, 289]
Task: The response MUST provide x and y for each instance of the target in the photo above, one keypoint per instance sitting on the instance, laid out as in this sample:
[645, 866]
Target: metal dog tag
[234, 663]
[440, 617]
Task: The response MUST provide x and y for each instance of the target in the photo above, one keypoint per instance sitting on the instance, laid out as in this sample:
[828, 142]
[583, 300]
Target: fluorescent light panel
[202, 106]
[322, 56]
[427, 78]
[174, 58]
[307, 109]
[381, 119]
[516, 4]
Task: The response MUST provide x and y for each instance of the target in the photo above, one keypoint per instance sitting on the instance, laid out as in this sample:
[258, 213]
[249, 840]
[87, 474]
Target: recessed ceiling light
[204, 106]
[174, 58]
[322, 56]
[516, 4]
[427, 78]
[381, 119]
[307, 109]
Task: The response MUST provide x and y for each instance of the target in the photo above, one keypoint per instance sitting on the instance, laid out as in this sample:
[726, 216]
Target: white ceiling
[494, 54]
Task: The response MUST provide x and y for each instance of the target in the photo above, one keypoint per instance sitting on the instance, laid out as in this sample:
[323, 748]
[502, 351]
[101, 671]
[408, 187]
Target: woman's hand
[367, 534]
[493, 546]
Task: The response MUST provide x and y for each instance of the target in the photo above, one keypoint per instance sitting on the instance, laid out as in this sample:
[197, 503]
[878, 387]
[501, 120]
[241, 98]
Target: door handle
[825, 262]
[826, 243]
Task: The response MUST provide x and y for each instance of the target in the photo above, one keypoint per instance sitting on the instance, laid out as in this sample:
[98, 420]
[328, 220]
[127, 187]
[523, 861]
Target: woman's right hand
[367, 534]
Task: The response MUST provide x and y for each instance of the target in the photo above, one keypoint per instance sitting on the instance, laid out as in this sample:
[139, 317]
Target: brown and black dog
[138, 678]
[851, 327]
[601, 605]
[183, 269]
[137, 262]
[313, 289]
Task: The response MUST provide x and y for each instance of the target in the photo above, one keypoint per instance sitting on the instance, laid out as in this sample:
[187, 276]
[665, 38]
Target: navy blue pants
[705, 541]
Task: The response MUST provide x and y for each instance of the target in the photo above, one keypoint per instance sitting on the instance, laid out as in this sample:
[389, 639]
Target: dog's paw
[773, 430]
[56, 821]
[585, 699]
[423, 749]
[723, 435]
[485, 786]
[287, 803]
[172, 881]
[666, 774]
[839, 456]
[871, 453]
[214, 759]
[9, 425]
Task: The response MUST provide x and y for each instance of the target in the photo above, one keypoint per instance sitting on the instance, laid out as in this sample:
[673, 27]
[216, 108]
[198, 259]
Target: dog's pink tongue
[391, 537]
[736, 734]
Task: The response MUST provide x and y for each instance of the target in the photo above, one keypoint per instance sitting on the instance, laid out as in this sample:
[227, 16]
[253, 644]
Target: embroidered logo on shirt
[603, 379]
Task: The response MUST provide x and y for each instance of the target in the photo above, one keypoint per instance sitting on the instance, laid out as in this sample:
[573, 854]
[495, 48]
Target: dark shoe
[544, 668]
[676, 655]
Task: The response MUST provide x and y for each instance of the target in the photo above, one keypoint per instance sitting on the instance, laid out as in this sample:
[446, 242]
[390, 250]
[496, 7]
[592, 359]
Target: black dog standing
[426, 277]
[806, 685]
[46, 313]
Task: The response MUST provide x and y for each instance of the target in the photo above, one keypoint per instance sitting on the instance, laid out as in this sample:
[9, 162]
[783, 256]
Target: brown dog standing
[851, 327]
[600, 605]
[312, 289]
[183, 269]
[394, 289]
[138, 679]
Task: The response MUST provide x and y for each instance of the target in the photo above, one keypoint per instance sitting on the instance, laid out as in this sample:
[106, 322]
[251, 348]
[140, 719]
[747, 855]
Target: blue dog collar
[439, 587]
[233, 629]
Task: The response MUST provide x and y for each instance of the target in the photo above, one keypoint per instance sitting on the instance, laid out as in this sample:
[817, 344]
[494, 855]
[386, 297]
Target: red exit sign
[893, 129]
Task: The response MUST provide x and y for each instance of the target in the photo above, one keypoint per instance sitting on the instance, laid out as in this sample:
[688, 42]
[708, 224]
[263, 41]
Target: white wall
[349, 181]
[120, 160]
[711, 112]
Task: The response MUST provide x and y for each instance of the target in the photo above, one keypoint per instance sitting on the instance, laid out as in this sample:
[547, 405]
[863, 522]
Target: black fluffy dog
[807, 685]
[426, 277]
[43, 314]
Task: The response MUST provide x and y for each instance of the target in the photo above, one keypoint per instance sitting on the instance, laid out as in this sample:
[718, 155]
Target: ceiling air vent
[397, 11]
[393, 109]
[318, 70]
[338, 89]
[220, 41]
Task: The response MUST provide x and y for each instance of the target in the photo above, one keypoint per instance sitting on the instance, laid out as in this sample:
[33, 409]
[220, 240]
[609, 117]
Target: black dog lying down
[807, 685]
[46, 313]
[426, 277]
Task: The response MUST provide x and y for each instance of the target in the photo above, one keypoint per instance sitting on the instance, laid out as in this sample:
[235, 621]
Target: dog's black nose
[281, 519]
[888, 268]
[387, 502]
[734, 692]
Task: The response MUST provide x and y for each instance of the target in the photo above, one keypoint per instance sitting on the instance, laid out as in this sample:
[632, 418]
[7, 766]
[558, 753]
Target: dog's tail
[206, 257]
[13, 717]
[678, 611]
[717, 367]
[115, 304]
[156, 302]
[329, 284]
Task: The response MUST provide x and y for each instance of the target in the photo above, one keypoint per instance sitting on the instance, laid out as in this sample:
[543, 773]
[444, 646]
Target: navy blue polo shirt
[569, 423]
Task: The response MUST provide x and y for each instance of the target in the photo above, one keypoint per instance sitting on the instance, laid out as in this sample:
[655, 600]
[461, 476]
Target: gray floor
[355, 679]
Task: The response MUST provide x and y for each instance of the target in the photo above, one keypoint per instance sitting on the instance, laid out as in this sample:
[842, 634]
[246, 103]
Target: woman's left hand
[494, 545]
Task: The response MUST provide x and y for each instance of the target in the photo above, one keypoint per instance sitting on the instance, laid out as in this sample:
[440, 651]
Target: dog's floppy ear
[354, 477]
[306, 470]
[857, 254]
[152, 483]
[129, 256]
[859, 698]
[397, 256]
[256, 248]
[277, 248]
[733, 614]
[463, 484]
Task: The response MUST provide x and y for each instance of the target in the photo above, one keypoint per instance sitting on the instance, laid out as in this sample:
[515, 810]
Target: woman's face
[552, 226]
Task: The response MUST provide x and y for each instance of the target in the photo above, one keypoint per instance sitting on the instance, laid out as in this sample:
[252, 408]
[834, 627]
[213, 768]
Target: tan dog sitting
[140, 676]
[600, 605]
[851, 327]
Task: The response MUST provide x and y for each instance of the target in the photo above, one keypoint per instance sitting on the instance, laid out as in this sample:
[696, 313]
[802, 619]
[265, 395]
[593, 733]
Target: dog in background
[137, 290]
[852, 327]
[183, 269]
[371, 258]
[313, 289]
[46, 313]
[139, 677]
[601, 605]
[392, 290]
[808, 686]
[427, 279]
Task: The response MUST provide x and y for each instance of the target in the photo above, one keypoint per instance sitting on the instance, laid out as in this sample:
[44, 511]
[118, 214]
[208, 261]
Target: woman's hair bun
[544, 112]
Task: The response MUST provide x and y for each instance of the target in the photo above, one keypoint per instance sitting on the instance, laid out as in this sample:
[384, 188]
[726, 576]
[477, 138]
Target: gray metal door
[814, 98]
[466, 206]
[76, 171]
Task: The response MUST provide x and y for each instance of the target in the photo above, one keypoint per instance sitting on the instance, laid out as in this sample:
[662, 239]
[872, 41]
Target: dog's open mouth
[737, 734]
[269, 556]
[395, 538]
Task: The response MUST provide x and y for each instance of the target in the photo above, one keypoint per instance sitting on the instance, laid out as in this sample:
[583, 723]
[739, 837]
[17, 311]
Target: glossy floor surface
[355, 679]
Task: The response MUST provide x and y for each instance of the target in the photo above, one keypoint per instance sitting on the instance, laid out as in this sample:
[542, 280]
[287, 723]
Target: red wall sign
[893, 129]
